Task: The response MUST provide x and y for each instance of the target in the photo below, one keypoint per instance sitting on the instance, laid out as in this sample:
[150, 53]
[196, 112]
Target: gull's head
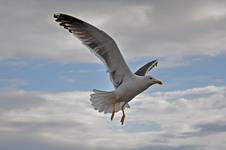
[151, 80]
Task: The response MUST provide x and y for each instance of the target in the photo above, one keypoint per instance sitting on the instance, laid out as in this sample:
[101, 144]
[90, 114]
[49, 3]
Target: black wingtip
[155, 60]
[59, 17]
[56, 15]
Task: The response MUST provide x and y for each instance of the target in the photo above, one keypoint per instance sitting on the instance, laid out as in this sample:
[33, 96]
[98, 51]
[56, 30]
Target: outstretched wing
[147, 67]
[101, 44]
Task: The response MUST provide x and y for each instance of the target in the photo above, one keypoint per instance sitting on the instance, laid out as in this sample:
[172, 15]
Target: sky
[47, 75]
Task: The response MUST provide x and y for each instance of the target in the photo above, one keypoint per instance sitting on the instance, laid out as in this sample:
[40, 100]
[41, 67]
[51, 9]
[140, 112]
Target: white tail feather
[102, 101]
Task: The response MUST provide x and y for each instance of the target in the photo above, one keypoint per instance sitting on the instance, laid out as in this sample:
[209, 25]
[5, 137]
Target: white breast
[128, 90]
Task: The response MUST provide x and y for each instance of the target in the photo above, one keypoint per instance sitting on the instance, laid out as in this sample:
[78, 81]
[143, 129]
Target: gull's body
[127, 84]
[127, 91]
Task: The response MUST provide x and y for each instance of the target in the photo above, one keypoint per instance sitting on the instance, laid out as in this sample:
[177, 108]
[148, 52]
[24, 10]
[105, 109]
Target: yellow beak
[158, 81]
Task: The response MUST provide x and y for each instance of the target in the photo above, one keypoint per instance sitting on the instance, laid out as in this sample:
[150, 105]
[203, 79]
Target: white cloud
[170, 31]
[188, 118]
[213, 11]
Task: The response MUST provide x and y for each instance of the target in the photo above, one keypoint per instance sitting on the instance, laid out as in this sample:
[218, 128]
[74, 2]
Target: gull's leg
[123, 113]
[113, 109]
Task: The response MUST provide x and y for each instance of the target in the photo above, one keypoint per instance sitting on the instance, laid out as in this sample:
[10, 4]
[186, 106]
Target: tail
[102, 101]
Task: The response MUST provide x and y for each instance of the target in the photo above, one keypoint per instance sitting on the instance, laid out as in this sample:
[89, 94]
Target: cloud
[171, 31]
[19, 99]
[11, 83]
[209, 128]
[185, 119]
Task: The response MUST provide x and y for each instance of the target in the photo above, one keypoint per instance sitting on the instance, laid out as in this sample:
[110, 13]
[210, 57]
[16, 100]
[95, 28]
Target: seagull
[127, 84]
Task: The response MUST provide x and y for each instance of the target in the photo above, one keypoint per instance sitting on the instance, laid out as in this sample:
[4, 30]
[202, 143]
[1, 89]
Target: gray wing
[101, 44]
[147, 67]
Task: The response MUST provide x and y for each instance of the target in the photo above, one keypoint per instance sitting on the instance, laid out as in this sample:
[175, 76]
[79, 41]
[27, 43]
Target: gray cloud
[208, 128]
[171, 31]
[19, 100]
[161, 147]
[12, 83]
[66, 120]
[20, 141]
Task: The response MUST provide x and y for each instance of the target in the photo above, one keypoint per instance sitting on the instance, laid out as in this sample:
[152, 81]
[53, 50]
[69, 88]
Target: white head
[151, 80]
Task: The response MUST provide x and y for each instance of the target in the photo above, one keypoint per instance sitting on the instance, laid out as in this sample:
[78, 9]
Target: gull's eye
[150, 78]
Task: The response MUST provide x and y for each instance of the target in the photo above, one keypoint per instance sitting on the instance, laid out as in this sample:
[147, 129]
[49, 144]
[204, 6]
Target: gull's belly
[129, 90]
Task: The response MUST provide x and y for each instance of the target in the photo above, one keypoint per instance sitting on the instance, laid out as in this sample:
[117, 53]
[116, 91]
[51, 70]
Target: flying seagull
[127, 84]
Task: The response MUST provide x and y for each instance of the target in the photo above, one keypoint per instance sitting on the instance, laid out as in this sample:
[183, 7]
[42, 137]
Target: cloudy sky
[47, 75]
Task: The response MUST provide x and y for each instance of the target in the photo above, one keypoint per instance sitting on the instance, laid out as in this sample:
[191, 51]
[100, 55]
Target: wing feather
[142, 71]
[101, 44]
